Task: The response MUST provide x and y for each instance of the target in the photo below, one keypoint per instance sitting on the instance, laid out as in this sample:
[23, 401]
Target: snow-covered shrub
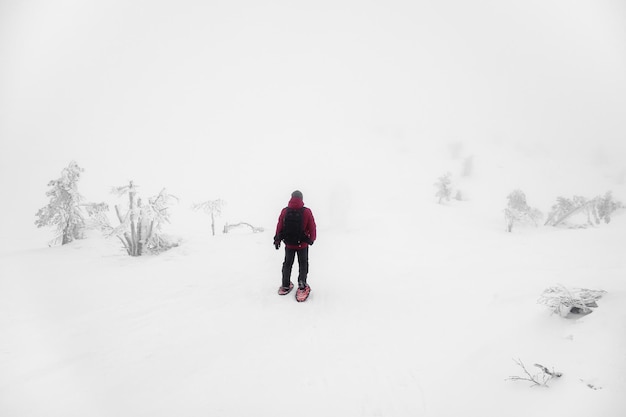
[444, 188]
[593, 210]
[212, 208]
[140, 227]
[97, 216]
[564, 301]
[518, 211]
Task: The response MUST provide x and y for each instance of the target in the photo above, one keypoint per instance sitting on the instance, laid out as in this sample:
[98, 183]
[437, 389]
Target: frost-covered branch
[228, 227]
[97, 216]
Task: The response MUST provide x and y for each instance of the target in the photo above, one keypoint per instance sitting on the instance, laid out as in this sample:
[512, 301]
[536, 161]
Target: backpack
[293, 226]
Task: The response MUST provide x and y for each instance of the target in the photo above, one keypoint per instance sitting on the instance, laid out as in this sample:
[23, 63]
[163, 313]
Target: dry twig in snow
[541, 379]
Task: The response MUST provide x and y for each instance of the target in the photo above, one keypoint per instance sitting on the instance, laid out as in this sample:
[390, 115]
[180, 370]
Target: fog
[248, 100]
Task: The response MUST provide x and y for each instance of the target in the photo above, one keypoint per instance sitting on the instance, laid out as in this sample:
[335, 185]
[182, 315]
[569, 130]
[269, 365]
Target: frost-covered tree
[606, 205]
[444, 188]
[596, 209]
[518, 211]
[140, 226]
[212, 208]
[64, 210]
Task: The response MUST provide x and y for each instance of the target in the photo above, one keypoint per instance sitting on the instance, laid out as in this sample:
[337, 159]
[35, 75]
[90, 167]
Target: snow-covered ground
[417, 309]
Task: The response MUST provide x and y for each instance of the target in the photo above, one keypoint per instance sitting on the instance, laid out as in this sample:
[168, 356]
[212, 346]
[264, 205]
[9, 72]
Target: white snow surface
[416, 309]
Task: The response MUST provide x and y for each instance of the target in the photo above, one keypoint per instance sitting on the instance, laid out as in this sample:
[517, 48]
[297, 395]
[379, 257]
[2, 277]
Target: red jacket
[308, 222]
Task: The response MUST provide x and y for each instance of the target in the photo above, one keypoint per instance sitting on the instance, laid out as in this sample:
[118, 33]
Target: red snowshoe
[302, 294]
[285, 290]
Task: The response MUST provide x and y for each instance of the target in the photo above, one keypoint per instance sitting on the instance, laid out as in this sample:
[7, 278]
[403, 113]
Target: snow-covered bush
[564, 301]
[212, 208]
[97, 216]
[518, 211]
[140, 227]
[593, 210]
[444, 188]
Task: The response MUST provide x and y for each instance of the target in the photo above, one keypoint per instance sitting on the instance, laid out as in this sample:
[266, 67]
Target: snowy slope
[416, 309]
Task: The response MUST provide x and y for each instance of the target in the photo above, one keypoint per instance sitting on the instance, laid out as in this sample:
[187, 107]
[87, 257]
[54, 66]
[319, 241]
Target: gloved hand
[277, 244]
[308, 240]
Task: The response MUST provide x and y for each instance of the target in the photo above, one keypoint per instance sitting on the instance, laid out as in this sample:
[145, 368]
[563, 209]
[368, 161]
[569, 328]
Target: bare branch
[541, 379]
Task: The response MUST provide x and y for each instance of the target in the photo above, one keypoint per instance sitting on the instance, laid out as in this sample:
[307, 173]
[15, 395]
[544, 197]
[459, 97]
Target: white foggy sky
[263, 96]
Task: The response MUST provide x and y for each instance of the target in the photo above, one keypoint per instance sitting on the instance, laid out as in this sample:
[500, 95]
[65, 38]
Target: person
[298, 245]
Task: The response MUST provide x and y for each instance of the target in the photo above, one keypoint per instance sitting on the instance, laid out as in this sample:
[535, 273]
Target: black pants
[303, 265]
